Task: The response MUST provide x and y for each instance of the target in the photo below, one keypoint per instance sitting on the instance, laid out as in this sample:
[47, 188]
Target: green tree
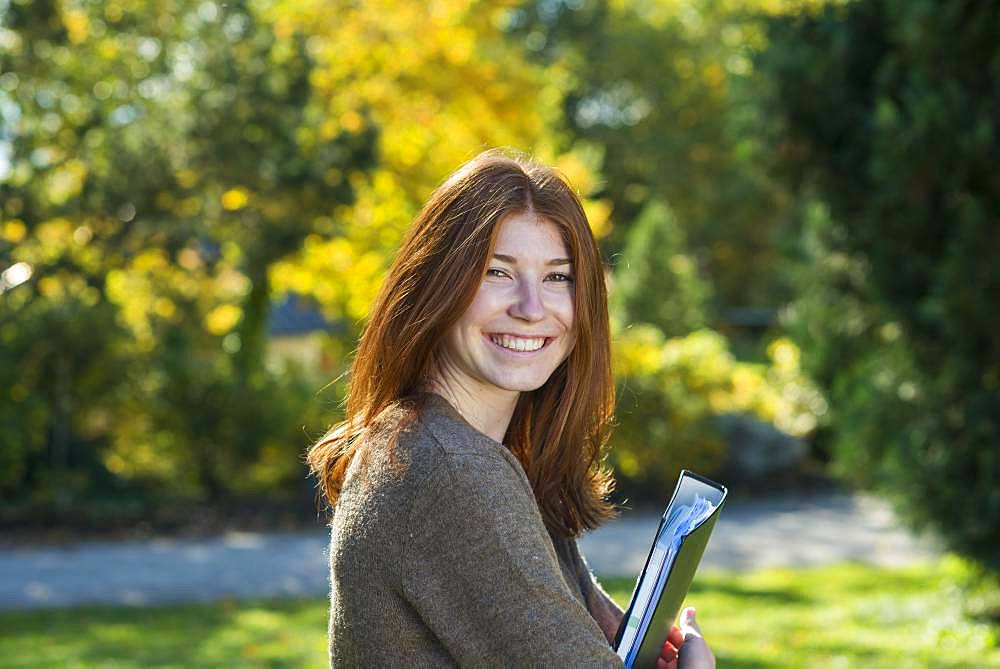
[656, 281]
[890, 113]
[162, 160]
[667, 94]
[441, 86]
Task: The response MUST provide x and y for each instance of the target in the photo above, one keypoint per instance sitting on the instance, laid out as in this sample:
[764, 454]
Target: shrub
[890, 115]
[671, 392]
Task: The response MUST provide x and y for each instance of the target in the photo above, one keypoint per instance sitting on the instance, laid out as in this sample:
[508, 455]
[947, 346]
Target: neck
[488, 410]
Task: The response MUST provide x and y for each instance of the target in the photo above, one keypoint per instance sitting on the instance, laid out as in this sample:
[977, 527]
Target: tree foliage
[161, 162]
[672, 392]
[172, 166]
[169, 168]
[656, 281]
[667, 94]
[441, 86]
[890, 109]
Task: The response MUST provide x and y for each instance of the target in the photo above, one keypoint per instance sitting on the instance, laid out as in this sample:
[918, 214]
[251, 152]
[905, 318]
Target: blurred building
[296, 332]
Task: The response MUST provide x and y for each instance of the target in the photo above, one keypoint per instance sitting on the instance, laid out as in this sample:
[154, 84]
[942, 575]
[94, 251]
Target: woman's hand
[668, 656]
[685, 647]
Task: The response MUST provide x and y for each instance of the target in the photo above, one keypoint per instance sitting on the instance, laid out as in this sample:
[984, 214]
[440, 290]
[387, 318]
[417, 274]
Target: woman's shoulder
[423, 429]
[429, 441]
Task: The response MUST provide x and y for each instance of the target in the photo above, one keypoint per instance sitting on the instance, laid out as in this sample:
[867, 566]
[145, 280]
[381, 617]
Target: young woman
[471, 453]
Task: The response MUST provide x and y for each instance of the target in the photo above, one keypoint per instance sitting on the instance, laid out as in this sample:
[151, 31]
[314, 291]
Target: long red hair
[559, 431]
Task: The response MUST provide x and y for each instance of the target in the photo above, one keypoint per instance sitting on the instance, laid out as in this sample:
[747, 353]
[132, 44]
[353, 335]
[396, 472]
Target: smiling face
[519, 327]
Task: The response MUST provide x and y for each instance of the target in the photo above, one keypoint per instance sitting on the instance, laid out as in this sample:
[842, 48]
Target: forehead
[529, 235]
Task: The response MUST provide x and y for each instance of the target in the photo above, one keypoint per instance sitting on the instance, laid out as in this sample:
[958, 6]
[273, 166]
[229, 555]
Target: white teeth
[518, 343]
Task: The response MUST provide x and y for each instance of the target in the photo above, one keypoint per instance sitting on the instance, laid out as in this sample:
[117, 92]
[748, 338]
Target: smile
[519, 344]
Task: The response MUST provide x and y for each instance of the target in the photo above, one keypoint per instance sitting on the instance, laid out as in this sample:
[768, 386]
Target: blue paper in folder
[677, 548]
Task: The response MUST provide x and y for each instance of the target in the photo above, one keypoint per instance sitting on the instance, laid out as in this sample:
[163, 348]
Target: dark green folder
[671, 582]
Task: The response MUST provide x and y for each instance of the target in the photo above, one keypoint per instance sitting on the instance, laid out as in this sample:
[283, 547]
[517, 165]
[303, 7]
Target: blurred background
[797, 201]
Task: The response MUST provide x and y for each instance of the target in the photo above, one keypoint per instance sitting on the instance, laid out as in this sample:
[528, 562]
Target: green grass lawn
[837, 616]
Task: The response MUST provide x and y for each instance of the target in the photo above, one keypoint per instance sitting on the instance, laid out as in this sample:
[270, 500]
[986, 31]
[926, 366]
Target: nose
[528, 306]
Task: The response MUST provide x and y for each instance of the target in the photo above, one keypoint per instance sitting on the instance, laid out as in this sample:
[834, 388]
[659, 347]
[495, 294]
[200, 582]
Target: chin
[522, 385]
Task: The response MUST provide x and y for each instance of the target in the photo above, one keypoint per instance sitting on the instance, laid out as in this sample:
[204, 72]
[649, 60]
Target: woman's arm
[480, 572]
[602, 608]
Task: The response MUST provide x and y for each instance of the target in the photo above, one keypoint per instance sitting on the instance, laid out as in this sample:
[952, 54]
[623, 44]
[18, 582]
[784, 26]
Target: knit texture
[439, 557]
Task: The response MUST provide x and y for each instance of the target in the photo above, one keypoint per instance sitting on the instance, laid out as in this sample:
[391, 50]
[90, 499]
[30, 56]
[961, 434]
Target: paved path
[779, 532]
[788, 531]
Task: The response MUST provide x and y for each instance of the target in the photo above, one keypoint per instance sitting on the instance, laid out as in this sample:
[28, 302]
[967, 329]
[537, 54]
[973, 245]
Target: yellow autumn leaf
[54, 232]
[784, 354]
[235, 199]
[164, 307]
[14, 230]
[599, 216]
[108, 49]
[66, 181]
[77, 26]
[351, 121]
[223, 318]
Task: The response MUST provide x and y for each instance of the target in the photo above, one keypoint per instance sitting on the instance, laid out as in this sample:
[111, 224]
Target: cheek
[469, 328]
[451, 344]
[485, 306]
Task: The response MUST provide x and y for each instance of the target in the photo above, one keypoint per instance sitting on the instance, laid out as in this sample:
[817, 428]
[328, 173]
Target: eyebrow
[513, 261]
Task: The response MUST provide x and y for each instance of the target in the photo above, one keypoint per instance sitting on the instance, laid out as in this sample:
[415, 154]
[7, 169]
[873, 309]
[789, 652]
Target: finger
[663, 664]
[675, 636]
[696, 653]
[668, 653]
[689, 626]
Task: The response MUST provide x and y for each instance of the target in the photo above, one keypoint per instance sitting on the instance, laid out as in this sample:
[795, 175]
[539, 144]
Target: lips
[519, 343]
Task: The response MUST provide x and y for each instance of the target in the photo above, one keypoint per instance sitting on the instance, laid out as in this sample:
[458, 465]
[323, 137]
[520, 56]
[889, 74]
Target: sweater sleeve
[480, 571]
[600, 605]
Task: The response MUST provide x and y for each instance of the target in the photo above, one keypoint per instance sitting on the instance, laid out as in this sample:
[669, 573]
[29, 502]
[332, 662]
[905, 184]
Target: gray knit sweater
[439, 557]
